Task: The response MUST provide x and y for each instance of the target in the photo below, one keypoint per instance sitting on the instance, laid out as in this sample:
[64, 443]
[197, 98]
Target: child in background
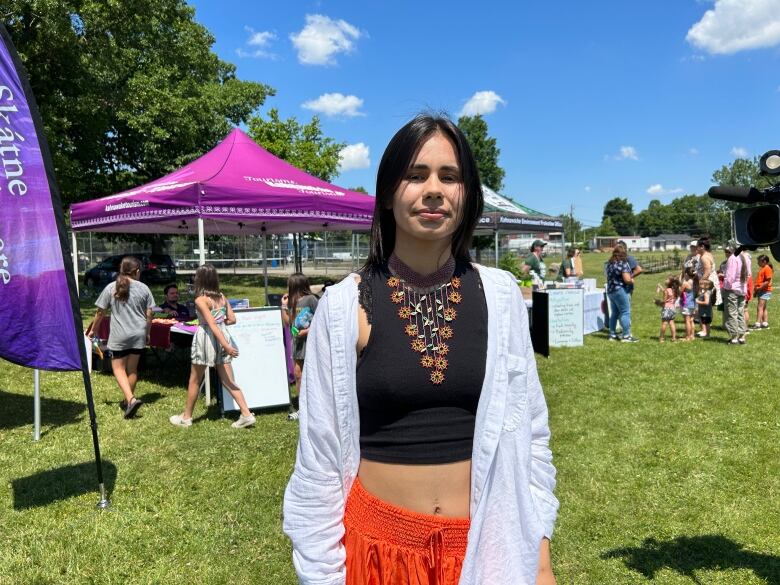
[298, 307]
[763, 291]
[704, 306]
[688, 302]
[212, 346]
[671, 292]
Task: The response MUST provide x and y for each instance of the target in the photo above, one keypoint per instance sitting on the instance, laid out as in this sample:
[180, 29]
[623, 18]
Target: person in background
[671, 292]
[568, 268]
[735, 287]
[704, 306]
[633, 264]
[171, 305]
[130, 302]
[212, 346]
[298, 308]
[691, 260]
[534, 265]
[619, 278]
[728, 250]
[688, 302]
[705, 270]
[763, 291]
[749, 291]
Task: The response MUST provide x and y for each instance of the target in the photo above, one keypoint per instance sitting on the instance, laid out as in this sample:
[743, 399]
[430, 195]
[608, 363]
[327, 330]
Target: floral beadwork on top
[427, 315]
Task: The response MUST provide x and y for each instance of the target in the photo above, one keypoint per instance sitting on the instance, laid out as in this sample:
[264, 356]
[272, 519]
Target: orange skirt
[389, 545]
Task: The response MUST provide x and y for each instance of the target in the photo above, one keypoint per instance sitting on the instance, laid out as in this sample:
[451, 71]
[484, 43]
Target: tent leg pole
[496, 246]
[75, 260]
[202, 245]
[201, 241]
[265, 268]
[37, 405]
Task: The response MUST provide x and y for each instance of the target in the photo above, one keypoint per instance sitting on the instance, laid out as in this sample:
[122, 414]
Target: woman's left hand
[545, 575]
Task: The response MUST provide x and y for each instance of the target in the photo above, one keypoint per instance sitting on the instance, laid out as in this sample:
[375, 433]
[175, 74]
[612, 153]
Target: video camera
[759, 225]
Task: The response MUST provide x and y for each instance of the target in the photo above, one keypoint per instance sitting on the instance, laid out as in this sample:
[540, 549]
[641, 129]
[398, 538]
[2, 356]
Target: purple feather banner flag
[37, 324]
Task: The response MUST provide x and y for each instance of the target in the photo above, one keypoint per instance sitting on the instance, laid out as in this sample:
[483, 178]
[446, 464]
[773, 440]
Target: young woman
[130, 302]
[423, 454]
[619, 279]
[298, 308]
[212, 346]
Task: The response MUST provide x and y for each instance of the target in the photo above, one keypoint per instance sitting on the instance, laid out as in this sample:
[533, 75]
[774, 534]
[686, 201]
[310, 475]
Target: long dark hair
[127, 268]
[765, 258]
[704, 242]
[207, 282]
[396, 160]
[297, 288]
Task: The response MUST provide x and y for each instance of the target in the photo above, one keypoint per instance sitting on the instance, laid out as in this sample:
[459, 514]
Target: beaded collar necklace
[426, 307]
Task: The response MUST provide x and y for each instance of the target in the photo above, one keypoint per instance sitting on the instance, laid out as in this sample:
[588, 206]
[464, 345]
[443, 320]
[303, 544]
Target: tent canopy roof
[238, 187]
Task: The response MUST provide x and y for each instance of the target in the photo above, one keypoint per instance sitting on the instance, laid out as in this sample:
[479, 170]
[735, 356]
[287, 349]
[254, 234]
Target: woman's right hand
[231, 351]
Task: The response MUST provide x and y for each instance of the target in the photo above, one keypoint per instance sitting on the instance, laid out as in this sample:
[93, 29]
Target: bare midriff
[440, 490]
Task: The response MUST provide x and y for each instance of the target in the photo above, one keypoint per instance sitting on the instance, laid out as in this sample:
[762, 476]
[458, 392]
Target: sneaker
[734, 341]
[244, 421]
[613, 338]
[629, 339]
[764, 325]
[178, 420]
[701, 334]
[742, 341]
[293, 416]
[132, 408]
[756, 326]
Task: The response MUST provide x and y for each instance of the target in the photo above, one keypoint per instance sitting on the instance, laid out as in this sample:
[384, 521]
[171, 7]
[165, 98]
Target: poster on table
[565, 317]
[261, 368]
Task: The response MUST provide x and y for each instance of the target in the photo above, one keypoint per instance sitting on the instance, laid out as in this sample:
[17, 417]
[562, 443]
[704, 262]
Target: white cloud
[693, 151]
[323, 38]
[482, 102]
[259, 43]
[587, 188]
[259, 39]
[354, 156]
[336, 104]
[625, 153]
[658, 189]
[739, 152]
[737, 25]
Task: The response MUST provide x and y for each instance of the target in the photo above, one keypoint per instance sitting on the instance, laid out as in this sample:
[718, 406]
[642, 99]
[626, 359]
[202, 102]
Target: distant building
[670, 242]
[633, 243]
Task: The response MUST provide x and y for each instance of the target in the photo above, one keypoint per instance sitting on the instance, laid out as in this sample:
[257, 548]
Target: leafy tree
[128, 91]
[485, 150]
[607, 228]
[303, 146]
[654, 220]
[621, 213]
[358, 189]
[572, 227]
[742, 172]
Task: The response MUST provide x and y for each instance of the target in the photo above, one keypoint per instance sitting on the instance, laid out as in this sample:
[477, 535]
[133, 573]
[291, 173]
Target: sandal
[132, 408]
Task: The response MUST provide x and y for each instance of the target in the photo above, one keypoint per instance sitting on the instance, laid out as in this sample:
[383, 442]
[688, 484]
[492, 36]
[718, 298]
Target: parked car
[155, 269]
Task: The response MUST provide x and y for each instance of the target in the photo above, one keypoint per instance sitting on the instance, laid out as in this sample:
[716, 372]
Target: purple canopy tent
[238, 187]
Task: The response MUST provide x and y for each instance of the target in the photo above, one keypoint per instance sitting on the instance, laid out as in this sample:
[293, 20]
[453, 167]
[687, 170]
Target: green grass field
[668, 463]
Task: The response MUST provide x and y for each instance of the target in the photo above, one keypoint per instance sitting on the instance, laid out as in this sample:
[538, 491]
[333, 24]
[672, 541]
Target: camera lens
[763, 227]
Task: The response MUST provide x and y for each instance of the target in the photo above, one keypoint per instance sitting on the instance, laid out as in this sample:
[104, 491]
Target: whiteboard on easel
[261, 367]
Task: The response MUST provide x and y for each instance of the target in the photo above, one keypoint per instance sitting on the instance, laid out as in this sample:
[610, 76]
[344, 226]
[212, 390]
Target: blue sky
[588, 100]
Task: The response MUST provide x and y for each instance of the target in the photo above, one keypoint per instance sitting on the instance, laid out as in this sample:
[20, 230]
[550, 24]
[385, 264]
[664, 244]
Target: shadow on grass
[17, 410]
[688, 554]
[52, 485]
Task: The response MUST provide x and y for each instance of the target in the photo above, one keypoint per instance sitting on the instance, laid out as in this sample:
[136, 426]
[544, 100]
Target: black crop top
[404, 417]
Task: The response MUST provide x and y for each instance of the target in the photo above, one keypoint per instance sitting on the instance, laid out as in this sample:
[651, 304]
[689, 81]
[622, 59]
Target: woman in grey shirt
[131, 305]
